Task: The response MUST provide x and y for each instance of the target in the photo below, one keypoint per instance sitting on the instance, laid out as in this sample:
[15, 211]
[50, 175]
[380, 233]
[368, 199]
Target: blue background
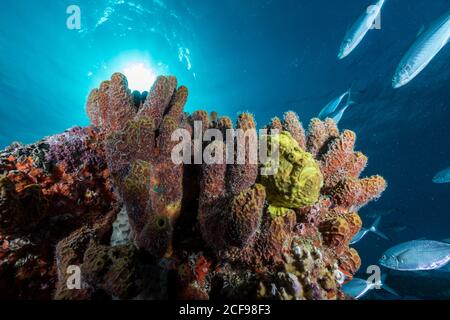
[261, 56]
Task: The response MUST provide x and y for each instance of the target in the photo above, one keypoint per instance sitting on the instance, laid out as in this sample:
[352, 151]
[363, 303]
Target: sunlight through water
[140, 76]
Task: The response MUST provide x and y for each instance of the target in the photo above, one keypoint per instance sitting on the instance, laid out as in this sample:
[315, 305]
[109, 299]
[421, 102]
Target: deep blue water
[261, 56]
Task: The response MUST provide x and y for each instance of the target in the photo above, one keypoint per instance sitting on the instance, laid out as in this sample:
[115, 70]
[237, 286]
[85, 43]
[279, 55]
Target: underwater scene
[225, 150]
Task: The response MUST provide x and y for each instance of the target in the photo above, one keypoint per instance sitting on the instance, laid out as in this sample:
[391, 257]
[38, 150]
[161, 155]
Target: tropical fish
[332, 106]
[358, 288]
[417, 255]
[361, 234]
[442, 176]
[359, 29]
[424, 49]
[338, 116]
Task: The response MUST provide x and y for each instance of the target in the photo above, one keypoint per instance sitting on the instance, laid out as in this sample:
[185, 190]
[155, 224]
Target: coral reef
[138, 152]
[230, 202]
[109, 199]
[43, 198]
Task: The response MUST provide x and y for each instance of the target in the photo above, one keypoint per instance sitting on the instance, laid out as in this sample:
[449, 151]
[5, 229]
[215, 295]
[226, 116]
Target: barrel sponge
[140, 138]
[320, 133]
[335, 233]
[224, 123]
[111, 106]
[156, 236]
[273, 239]
[338, 154]
[371, 188]
[121, 108]
[136, 182]
[354, 193]
[275, 125]
[158, 99]
[354, 222]
[356, 165]
[246, 211]
[178, 103]
[92, 108]
[298, 181]
[70, 251]
[232, 220]
[293, 125]
[202, 117]
[349, 261]
[135, 193]
[112, 269]
[242, 174]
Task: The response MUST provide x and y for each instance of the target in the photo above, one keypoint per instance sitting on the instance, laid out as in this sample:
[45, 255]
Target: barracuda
[359, 29]
[424, 49]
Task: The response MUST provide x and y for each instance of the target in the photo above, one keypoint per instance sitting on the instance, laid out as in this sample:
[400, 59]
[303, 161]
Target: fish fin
[375, 230]
[386, 287]
[381, 234]
[421, 30]
[390, 290]
[446, 240]
[400, 255]
[385, 274]
[376, 223]
[350, 94]
[327, 110]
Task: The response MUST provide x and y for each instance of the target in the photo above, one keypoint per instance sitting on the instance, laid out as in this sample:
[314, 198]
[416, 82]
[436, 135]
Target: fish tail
[385, 287]
[350, 100]
[375, 230]
[390, 290]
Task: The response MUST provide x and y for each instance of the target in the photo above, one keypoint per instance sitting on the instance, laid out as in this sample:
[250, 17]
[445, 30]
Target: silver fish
[374, 228]
[358, 288]
[417, 255]
[338, 116]
[425, 48]
[442, 176]
[332, 106]
[359, 29]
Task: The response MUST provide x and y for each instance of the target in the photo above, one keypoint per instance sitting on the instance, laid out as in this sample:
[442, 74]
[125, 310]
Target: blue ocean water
[262, 56]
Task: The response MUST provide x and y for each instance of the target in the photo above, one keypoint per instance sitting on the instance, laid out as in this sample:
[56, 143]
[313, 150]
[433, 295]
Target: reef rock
[109, 200]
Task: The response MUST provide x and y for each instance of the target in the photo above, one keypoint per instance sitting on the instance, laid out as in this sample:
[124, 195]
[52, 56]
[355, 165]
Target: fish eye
[383, 257]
